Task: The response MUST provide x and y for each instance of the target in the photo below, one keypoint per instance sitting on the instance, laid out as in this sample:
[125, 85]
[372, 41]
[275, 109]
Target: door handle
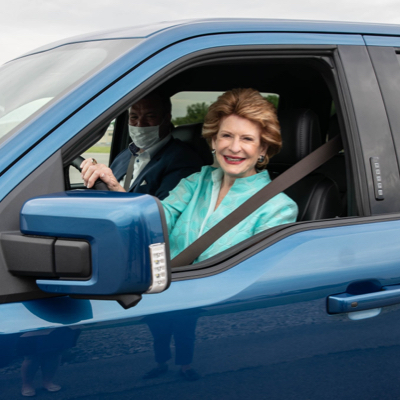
[345, 302]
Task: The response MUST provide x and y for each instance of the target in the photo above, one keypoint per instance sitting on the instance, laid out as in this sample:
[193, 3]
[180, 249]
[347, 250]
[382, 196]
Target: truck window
[30, 83]
[304, 88]
[301, 90]
[191, 107]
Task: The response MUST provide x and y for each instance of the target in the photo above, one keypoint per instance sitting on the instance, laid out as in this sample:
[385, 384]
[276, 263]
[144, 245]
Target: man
[154, 162]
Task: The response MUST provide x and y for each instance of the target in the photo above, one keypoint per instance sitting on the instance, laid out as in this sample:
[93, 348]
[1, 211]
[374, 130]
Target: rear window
[191, 107]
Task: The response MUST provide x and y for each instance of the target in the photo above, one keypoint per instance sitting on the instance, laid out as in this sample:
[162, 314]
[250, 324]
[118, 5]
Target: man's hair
[249, 104]
[165, 100]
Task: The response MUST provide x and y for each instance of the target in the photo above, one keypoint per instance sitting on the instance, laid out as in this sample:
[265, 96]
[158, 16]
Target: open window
[303, 84]
[304, 89]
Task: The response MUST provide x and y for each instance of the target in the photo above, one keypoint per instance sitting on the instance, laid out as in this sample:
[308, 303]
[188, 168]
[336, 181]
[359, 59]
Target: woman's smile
[233, 160]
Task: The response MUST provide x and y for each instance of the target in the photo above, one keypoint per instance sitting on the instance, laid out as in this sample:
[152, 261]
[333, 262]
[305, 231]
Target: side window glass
[191, 107]
[100, 151]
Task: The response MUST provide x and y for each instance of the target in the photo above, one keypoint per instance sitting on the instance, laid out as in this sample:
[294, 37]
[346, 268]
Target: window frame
[386, 62]
[231, 257]
[91, 133]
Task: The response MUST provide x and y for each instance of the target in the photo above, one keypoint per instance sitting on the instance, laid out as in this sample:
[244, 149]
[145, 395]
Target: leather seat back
[191, 135]
[316, 195]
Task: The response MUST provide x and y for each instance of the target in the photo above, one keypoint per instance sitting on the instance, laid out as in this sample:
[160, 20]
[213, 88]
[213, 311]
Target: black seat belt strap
[292, 175]
[129, 173]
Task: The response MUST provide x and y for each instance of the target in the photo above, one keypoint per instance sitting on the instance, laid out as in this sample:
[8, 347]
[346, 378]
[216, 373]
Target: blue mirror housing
[122, 235]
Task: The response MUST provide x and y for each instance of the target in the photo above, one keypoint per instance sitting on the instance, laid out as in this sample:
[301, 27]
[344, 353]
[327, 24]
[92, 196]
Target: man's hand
[91, 171]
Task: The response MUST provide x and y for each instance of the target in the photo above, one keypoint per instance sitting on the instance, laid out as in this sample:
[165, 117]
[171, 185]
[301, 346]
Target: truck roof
[184, 29]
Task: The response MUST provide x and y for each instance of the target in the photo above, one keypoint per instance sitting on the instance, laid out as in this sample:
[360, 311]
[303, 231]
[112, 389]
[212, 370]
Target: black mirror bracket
[125, 300]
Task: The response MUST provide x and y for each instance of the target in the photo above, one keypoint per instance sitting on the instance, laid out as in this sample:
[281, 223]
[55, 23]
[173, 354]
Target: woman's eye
[248, 139]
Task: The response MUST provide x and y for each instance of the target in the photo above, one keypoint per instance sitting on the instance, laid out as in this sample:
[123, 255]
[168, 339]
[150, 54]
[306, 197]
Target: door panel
[386, 61]
[261, 326]
[259, 329]
[374, 136]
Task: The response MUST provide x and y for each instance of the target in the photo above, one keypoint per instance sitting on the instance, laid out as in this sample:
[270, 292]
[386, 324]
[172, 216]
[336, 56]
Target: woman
[243, 131]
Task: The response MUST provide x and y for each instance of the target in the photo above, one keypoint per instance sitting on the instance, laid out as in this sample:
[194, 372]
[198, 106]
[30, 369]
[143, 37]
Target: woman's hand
[91, 171]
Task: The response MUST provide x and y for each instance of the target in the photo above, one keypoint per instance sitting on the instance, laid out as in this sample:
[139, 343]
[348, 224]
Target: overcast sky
[27, 24]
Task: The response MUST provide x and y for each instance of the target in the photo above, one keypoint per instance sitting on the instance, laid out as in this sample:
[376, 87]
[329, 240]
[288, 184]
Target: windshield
[30, 83]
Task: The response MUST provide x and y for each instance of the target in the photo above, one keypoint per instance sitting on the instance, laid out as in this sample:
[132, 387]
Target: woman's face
[238, 146]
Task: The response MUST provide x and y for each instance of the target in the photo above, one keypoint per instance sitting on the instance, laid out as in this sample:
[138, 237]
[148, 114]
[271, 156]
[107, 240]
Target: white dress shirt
[142, 159]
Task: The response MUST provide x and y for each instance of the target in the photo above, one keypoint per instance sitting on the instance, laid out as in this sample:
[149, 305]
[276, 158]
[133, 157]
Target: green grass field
[99, 149]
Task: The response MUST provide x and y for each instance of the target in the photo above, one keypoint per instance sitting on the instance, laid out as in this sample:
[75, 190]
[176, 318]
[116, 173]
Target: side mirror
[97, 245]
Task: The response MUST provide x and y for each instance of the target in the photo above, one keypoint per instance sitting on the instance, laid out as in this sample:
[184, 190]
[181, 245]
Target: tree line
[197, 111]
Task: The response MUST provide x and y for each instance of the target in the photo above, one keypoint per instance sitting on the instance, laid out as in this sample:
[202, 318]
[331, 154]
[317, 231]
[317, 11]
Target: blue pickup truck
[308, 310]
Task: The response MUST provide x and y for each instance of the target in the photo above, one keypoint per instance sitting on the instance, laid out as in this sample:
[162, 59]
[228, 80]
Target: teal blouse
[189, 210]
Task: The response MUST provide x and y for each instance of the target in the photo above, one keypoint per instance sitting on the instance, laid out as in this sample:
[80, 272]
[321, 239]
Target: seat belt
[292, 175]
[129, 173]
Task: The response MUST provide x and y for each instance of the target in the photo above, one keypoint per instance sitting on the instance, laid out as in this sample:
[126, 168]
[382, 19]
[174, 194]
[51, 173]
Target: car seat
[316, 195]
[191, 135]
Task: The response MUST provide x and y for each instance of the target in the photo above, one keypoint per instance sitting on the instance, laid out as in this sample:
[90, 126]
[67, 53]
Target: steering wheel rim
[99, 184]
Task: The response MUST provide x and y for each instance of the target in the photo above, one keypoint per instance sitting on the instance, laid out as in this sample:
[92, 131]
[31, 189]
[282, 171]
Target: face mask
[144, 136]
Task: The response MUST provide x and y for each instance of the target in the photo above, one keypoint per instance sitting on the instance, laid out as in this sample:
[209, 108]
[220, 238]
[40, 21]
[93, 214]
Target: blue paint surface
[390, 41]
[178, 30]
[119, 228]
[252, 323]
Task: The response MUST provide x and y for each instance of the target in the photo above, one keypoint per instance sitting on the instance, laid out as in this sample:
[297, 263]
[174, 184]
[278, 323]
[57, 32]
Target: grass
[98, 149]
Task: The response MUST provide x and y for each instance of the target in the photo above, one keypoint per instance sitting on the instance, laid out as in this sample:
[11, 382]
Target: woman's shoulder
[204, 174]
[207, 169]
[281, 199]
[285, 200]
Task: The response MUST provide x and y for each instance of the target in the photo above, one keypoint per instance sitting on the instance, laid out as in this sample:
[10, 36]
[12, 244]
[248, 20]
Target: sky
[28, 24]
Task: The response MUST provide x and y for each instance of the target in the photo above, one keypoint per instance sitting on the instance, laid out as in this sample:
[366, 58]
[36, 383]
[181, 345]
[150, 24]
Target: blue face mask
[144, 136]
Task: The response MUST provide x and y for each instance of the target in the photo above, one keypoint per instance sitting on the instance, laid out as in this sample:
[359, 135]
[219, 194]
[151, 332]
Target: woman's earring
[213, 151]
[261, 159]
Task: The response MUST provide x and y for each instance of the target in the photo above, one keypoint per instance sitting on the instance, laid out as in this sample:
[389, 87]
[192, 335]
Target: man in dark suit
[154, 162]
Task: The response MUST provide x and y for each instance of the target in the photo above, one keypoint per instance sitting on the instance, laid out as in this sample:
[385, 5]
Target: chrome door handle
[345, 302]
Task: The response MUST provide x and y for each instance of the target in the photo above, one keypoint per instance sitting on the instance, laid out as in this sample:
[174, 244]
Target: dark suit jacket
[173, 162]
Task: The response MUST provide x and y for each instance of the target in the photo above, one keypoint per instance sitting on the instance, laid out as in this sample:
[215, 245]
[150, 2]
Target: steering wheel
[99, 184]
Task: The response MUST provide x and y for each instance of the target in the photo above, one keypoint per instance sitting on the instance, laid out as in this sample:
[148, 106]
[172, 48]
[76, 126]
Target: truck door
[307, 310]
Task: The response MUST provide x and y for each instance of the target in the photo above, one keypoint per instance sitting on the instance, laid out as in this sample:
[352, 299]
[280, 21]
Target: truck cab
[300, 311]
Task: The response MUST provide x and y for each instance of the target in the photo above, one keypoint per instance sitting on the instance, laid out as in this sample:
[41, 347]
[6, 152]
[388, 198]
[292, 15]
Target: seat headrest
[191, 135]
[301, 135]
